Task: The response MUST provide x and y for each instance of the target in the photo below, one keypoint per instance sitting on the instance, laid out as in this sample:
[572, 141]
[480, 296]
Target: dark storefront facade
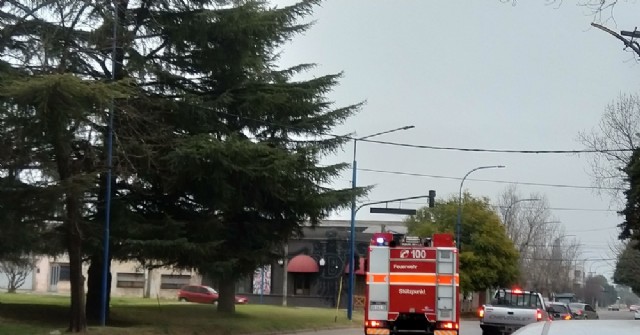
[317, 270]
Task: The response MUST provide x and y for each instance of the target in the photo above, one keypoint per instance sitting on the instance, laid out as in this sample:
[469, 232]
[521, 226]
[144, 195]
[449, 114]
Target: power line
[551, 208]
[401, 173]
[506, 151]
[419, 146]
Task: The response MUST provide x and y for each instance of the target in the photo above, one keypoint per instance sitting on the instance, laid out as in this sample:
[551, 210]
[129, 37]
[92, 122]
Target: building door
[54, 277]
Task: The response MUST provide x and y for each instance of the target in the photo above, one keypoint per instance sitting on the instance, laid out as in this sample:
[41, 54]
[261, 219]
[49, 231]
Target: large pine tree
[241, 172]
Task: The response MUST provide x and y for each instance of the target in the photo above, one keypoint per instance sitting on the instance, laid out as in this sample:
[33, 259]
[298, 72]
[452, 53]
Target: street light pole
[352, 240]
[107, 207]
[458, 220]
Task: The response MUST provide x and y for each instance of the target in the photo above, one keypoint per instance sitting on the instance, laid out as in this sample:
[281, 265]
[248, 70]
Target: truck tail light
[446, 325]
[481, 312]
[374, 324]
[539, 315]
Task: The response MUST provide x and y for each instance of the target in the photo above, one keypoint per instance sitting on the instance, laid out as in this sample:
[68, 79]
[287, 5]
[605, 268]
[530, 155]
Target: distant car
[559, 311]
[633, 308]
[614, 307]
[204, 295]
[600, 327]
[582, 311]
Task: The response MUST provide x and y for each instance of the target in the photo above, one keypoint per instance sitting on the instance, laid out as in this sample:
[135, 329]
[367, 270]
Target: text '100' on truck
[413, 286]
[511, 310]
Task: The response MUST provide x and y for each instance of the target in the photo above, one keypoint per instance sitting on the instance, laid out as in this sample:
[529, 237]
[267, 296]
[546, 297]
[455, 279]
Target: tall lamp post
[107, 207]
[352, 241]
[458, 220]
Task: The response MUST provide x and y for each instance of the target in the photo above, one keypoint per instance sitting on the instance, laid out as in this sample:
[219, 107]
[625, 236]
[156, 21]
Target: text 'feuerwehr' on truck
[511, 310]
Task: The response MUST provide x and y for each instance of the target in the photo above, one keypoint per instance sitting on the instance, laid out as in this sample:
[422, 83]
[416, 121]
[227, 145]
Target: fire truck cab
[412, 285]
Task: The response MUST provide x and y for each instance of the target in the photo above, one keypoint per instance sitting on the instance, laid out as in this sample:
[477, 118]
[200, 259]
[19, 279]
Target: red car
[204, 295]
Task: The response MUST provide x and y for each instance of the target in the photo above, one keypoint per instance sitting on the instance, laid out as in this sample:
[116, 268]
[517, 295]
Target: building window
[244, 285]
[174, 282]
[302, 284]
[65, 273]
[130, 280]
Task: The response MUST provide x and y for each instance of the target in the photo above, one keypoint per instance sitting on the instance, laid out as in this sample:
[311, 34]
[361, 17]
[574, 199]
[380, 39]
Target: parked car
[600, 327]
[636, 314]
[204, 295]
[559, 311]
[633, 308]
[582, 311]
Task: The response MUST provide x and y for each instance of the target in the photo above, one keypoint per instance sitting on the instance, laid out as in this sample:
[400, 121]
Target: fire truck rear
[412, 286]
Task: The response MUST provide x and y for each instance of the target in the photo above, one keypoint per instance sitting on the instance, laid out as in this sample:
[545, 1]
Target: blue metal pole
[458, 220]
[107, 207]
[352, 240]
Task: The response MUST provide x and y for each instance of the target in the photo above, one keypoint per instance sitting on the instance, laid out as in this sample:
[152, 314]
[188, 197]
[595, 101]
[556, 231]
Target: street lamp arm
[459, 216]
[476, 169]
[384, 132]
[391, 200]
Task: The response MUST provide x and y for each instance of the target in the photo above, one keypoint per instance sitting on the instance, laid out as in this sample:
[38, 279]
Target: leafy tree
[488, 258]
[628, 267]
[55, 111]
[631, 225]
[16, 268]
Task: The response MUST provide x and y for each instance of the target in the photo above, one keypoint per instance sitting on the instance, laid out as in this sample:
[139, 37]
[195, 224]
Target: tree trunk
[147, 283]
[227, 291]
[73, 227]
[78, 321]
[94, 289]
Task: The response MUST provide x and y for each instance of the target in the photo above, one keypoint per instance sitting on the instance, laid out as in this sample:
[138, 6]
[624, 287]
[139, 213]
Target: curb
[298, 331]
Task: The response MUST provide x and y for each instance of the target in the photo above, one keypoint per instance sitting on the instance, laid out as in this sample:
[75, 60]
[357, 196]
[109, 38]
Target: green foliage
[488, 258]
[628, 267]
[631, 225]
[237, 171]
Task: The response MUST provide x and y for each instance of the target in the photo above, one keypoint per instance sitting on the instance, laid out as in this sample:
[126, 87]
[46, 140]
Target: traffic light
[432, 198]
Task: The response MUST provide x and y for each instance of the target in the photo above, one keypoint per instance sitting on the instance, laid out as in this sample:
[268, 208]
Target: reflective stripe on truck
[418, 279]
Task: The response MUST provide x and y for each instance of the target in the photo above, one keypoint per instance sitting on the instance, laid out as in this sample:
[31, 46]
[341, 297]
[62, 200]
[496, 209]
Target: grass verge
[41, 314]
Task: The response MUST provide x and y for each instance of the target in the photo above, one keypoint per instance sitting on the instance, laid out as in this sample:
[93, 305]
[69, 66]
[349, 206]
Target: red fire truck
[412, 286]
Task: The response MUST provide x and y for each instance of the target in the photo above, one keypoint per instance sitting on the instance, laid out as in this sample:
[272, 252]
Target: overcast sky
[475, 74]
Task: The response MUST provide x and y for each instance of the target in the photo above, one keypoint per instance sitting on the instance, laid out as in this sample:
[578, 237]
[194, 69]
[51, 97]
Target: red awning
[303, 264]
[360, 271]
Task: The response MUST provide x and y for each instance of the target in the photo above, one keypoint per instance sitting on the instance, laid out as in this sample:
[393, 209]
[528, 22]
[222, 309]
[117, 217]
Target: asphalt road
[473, 327]
[616, 315]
